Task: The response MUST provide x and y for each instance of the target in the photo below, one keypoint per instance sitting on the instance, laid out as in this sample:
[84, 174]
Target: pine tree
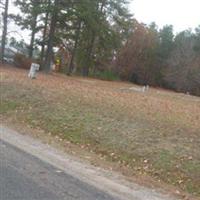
[49, 54]
[28, 18]
[100, 35]
[44, 29]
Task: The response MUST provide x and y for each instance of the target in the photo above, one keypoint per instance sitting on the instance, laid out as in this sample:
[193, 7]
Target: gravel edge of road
[107, 181]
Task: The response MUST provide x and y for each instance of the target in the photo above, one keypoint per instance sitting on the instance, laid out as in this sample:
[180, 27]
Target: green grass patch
[150, 147]
[164, 160]
[7, 106]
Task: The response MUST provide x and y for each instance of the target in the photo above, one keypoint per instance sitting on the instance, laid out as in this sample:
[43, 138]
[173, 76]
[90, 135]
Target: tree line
[91, 30]
[160, 58]
[102, 35]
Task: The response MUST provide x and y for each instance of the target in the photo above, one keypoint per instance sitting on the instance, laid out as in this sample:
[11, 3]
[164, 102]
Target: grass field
[155, 133]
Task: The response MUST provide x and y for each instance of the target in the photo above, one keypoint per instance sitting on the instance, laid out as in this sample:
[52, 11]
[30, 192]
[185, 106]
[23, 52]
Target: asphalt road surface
[25, 177]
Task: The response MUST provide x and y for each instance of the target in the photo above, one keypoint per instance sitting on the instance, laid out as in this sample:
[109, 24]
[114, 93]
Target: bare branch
[1, 3]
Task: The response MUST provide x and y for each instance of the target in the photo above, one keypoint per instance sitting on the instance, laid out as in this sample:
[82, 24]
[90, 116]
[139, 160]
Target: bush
[22, 61]
[107, 75]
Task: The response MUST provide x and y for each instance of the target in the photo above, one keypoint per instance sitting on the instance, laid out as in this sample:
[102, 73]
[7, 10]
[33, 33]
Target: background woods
[157, 57]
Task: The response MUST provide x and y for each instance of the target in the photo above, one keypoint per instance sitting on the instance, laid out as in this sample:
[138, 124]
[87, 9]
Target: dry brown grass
[155, 133]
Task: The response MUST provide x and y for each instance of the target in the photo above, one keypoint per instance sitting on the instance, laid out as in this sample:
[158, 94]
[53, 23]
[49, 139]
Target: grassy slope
[155, 133]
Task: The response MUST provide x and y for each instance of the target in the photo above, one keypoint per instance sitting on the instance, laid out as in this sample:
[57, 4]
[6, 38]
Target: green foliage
[29, 19]
[197, 39]
[6, 106]
[104, 26]
[107, 75]
[157, 57]
[183, 71]
[166, 41]
[95, 32]
[91, 30]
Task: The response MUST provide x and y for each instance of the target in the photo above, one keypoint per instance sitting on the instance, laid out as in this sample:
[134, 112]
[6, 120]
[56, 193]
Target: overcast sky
[182, 14]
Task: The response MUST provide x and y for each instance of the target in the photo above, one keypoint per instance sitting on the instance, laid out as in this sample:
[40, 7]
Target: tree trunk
[71, 65]
[4, 33]
[31, 46]
[44, 34]
[85, 70]
[87, 66]
[49, 54]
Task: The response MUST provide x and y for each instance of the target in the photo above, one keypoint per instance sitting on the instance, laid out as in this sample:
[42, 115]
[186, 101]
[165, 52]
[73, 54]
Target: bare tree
[183, 71]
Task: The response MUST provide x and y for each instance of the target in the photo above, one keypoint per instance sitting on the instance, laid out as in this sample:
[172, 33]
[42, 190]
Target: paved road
[25, 177]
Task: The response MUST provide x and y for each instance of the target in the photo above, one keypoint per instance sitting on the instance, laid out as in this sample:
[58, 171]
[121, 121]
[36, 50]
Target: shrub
[22, 61]
[107, 75]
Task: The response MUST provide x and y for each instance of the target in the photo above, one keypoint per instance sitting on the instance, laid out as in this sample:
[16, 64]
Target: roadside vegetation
[154, 133]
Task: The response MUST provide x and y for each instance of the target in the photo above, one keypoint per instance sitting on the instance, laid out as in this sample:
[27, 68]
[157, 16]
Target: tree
[166, 41]
[100, 35]
[77, 36]
[91, 31]
[197, 39]
[21, 46]
[28, 19]
[51, 36]
[166, 45]
[5, 27]
[45, 27]
[137, 60]
[183, 72]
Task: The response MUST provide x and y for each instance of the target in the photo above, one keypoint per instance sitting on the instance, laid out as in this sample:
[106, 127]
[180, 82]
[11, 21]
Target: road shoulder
[108, 181]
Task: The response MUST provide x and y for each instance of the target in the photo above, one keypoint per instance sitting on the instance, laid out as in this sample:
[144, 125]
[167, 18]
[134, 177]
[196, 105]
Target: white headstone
[34, 68]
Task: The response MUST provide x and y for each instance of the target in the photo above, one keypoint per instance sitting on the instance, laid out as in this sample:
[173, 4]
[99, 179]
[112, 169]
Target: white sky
[182, 14]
